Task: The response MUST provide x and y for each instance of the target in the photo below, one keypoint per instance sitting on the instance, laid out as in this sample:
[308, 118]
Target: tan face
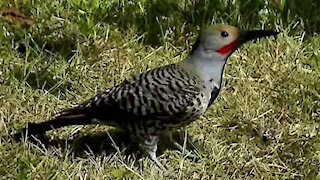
[220, 38]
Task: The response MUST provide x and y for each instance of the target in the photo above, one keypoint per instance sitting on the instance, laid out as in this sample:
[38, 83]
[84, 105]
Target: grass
[265, 124]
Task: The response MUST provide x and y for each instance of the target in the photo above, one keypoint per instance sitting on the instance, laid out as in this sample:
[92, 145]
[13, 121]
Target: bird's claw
[186, 152]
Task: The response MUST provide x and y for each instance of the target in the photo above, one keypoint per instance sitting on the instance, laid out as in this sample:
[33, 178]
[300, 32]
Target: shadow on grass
[155, 18]
[108, 143]
[171, 20]
[159, 16]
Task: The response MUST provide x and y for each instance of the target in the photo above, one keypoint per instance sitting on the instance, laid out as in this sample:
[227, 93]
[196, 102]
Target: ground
[264, 125]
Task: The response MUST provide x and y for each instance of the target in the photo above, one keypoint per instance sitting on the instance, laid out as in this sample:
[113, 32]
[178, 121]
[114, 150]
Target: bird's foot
[184, 151]
[154, 158]
[194, 154]
[149, 146]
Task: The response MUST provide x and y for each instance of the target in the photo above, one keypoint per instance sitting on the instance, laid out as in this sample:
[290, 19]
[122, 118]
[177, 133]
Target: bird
[163, 99]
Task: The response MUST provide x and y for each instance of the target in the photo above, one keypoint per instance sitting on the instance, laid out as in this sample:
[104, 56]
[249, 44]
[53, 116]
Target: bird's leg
[183, 148]
[149, 145]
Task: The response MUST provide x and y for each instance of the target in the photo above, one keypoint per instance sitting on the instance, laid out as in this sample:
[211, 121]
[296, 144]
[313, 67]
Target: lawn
[56, 54]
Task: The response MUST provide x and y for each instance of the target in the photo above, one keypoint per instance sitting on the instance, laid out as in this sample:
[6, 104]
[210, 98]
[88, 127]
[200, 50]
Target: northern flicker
[165, 98]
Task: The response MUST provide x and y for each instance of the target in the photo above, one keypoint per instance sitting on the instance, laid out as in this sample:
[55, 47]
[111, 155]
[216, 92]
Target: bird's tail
[75, 116]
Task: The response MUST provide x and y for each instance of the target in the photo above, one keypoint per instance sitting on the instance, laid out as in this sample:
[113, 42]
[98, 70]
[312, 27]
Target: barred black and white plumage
[158, 100]
[164, 98]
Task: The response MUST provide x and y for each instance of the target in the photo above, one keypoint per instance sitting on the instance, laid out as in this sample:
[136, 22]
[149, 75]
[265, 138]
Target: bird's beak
[255, 34]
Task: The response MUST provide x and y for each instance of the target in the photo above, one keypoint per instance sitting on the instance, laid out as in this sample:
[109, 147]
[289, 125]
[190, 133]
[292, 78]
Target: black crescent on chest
[214, 94]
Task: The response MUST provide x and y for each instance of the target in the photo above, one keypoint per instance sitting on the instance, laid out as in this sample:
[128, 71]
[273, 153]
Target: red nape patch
[228, 48]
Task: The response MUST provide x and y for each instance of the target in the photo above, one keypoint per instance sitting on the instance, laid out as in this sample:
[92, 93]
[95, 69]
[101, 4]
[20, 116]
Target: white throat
[209, 66]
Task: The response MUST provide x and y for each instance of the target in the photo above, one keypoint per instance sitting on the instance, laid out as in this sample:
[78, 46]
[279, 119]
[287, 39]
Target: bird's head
[225, 39]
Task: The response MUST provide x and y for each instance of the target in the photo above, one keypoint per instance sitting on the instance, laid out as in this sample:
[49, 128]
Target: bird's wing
[166, 94]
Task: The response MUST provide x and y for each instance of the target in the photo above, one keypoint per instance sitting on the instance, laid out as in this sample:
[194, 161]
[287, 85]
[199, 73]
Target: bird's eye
[224, 34]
